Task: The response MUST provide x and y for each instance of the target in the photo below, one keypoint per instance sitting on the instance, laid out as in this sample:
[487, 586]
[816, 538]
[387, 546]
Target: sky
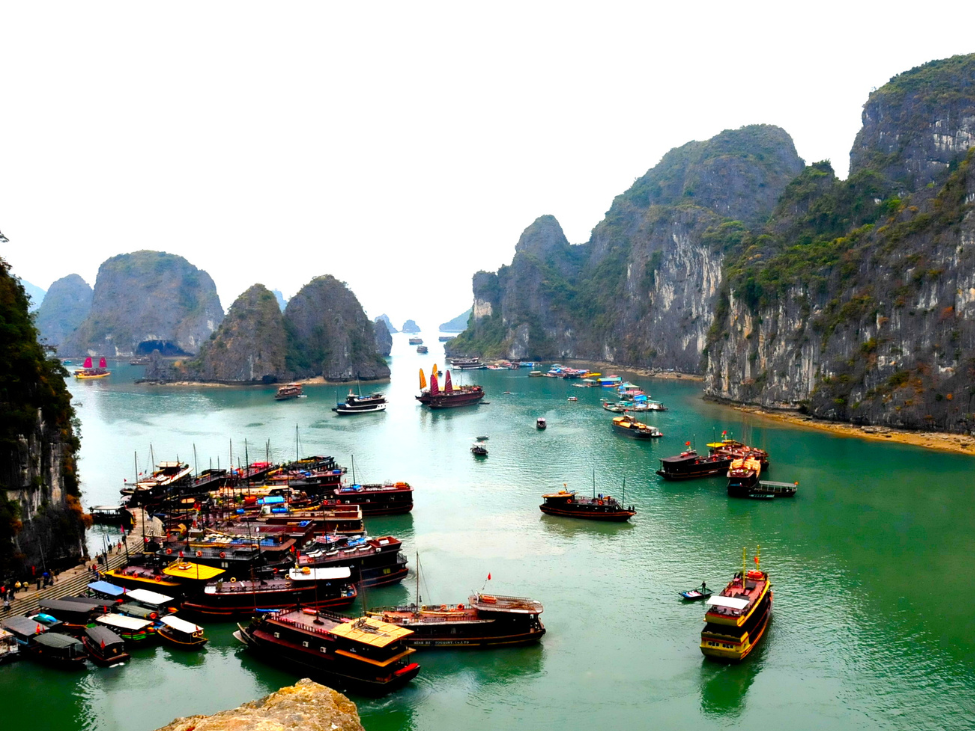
[400, 147]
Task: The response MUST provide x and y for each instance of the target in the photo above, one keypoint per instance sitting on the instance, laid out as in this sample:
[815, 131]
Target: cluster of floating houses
[282, 549]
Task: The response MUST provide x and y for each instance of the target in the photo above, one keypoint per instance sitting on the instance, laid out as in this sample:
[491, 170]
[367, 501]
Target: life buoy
[159, 578]
[169, 551]
[223, 555]
[233, 580]
[460, 607]
[305, 570]
[443, 607]
[199, 554]
[599, 502]
[306, 610]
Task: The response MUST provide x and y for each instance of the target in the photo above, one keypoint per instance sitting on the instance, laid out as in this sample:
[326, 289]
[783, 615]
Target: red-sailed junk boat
[738, 617]
[450, 396]
[86, 371]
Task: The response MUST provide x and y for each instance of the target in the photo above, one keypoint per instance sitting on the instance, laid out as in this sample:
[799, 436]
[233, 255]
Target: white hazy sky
[398, 146]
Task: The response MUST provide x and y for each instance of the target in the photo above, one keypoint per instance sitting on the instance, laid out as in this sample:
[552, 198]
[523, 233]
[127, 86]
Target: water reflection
[568, 528]
[724, 686]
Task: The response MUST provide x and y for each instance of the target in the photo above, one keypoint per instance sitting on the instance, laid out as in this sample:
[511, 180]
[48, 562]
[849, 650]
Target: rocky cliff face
[329, 335]
[64, 308]
[249, 346]
[144, 301]
[40, 514]
[642, 290]
[304, 706]
[858, 301]
[384, 338]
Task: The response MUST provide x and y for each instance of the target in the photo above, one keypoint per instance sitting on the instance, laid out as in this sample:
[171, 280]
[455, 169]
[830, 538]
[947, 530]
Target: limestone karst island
[712, 467]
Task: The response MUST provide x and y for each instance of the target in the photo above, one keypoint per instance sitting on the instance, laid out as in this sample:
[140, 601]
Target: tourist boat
[111, 515]
[9, 647]
[655, 406]
[567, 504]
[316, 588]
[540, 423]
[24, 629]
[364, 655]
[445, 338]
[374, 561]
[74, 617]
[104, 647]
[359, 404]
[181, 634]
[573, 398]
[535, 374]
[135, 576]
[743, 481]
[485, 621]
[450, 396]
[689, 465]
[87, 372]
[630, 427]
[467, 364]
[614, 408]
[289, 391]
[161, 604]
[390, 498]
[422, 349]
[736, 450]
[737, 618]
[131, 629]
[60, 650]
[149, 490]
[479, 450]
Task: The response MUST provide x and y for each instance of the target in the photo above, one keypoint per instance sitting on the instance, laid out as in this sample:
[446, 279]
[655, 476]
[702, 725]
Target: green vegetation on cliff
[37, 427]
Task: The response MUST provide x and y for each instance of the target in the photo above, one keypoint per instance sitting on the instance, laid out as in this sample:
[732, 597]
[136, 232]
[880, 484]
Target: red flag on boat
[687, 443]
[103, 644]
[39, 629]
[755, 558]
[489, 577]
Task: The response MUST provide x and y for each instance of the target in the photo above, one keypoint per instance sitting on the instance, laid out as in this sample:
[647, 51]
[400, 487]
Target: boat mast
[624, 492]
[419, 599]
[353, 470]
[593, 483]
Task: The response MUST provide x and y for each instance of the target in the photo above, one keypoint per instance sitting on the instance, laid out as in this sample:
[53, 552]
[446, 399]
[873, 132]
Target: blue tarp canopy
[271, 500]
[103, 587]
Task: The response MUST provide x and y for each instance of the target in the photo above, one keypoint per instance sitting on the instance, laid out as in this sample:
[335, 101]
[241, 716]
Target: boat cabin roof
[104, 587]
[727, 602]
[144, 596]
[57, 640]
[310, 574]
[181, 625]
[23, 626]
[103, 635]
[105, 508]
[682, 457]
[370, 631]
[88, 602]
[190, 570]
[121, 621]
[59, 606]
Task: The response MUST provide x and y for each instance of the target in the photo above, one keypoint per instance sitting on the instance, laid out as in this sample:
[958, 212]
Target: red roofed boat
[737, 618]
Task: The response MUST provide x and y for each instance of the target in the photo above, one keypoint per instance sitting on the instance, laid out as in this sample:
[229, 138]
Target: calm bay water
[871, 563]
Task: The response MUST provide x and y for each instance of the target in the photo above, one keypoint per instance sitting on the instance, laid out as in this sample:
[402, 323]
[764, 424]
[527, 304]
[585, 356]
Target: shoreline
[316, 381]
[938, 441]
[643, 372]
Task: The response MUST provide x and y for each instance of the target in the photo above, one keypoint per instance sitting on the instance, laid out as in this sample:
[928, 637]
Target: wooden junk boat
[630, 427]
[485, 621]
[737, 618]
[479, 449]
[568, 504]
[743, 481]
[364, 655]
[416, 340]
[133, 630]
[181, 634]
[104, 646]
[87, 372]
[390, 498]
[689, 465]
[60, 650]
[374, 561]
[736, 450]
[450, 396]
[315, 588]
[289, 391]
[359, 404]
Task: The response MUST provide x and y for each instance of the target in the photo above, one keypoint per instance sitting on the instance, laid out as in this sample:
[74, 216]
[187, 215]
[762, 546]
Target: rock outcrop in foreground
[144, 301]
[65, 307]
[304, 706]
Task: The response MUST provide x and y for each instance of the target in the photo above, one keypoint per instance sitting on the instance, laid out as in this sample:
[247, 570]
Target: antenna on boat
[353, 470]
[744, 565]
[624, 492]
[419, 599]
[593, 483]
[196, 467]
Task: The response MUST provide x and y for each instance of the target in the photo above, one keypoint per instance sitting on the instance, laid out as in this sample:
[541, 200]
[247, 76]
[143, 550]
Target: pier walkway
[75, 580]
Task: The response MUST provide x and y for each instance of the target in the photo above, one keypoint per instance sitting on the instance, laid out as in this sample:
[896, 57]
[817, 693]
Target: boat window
[322, 649]
[277, 635]
[304, 643]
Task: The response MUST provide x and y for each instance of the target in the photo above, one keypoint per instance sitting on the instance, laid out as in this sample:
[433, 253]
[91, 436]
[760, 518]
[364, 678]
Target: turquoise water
[870, 563]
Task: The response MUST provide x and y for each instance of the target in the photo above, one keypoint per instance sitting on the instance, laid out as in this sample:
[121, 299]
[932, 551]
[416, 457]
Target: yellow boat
[738, 617]
[87, 372]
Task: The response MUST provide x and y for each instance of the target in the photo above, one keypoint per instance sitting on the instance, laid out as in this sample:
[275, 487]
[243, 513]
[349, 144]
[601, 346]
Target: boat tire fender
[223, 555]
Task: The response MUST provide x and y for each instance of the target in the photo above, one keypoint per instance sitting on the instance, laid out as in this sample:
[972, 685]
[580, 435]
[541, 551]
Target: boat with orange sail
[448, 397]
[737, 618]
[88, 372]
